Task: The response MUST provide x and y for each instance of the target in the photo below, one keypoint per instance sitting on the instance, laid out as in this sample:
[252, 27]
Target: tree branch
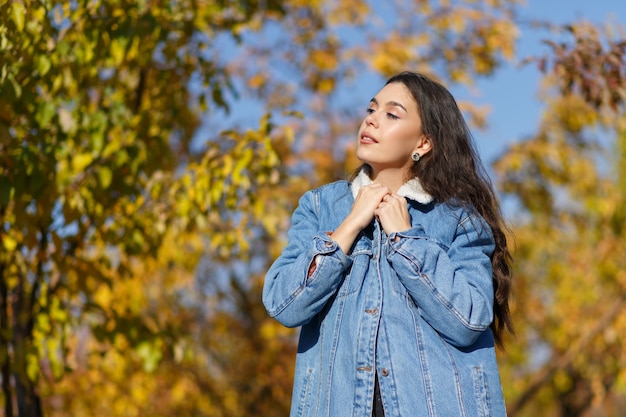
[546, 374]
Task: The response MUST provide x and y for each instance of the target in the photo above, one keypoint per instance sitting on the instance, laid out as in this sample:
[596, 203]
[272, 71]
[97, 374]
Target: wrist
[345, 235]
[355, 224]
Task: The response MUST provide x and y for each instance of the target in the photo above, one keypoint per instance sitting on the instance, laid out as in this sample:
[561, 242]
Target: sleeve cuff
[416, 232]
[324, 245]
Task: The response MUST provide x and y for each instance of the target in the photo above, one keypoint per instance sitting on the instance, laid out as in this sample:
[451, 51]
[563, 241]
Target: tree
[96, 117]
[570, 281]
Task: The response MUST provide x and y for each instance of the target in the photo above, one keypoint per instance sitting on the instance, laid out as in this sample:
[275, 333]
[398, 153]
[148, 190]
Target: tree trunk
[28, 401]
[4, 347]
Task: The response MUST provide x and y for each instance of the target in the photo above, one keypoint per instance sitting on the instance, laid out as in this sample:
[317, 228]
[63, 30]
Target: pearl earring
[415, 156]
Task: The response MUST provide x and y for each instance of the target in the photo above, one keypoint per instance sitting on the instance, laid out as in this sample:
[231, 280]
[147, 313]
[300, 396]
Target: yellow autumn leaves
[136, 223]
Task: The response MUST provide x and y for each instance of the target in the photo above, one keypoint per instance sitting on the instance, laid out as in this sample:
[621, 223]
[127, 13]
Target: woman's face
[392, 130]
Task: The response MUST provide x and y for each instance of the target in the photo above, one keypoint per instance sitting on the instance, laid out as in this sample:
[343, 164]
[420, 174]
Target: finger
[380, 194]
[377, 189]
[374, 186]
[397, 199]
[377, 186]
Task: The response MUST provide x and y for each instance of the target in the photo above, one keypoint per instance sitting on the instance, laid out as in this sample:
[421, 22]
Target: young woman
[400, 278]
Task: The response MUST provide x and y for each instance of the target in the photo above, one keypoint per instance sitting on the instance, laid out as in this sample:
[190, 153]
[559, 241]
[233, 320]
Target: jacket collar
[411, 189]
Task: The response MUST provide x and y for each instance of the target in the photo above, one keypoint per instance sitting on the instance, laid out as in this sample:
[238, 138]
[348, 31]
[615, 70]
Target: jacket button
[384, 372]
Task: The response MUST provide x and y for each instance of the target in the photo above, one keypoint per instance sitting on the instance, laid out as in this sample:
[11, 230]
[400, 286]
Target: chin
[363, 155]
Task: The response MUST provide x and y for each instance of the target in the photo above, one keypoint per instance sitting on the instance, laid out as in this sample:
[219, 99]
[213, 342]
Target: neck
[393, 178]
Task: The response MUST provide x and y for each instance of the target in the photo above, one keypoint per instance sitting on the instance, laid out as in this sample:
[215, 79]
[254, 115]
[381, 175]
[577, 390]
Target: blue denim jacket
[415, 310]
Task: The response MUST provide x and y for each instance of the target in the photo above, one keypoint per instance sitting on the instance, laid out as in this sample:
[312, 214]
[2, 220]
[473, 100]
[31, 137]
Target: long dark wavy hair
[452, 172]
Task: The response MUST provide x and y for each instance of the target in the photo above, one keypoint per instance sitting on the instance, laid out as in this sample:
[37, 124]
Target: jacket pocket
[354, 280]
[481, 391]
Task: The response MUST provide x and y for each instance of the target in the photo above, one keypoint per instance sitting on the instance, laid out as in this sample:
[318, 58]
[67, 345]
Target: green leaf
[43, 64]
[150, 354]
[17, 88]
[45, 112]
[105, 175]
[32, 367]
[17, 15]
[118, 50]
[81, 161]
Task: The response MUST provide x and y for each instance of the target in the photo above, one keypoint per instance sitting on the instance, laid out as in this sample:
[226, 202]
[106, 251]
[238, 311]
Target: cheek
[404, 138]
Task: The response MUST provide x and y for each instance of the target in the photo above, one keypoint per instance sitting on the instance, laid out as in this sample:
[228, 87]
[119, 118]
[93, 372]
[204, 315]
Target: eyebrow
[390, 103]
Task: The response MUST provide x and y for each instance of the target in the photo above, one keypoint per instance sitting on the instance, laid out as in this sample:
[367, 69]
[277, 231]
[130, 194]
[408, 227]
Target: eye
[392, 116]
[369, 110]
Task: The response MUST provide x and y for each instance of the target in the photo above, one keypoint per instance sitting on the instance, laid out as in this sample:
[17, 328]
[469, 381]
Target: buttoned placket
[368, 328]
[382, 359]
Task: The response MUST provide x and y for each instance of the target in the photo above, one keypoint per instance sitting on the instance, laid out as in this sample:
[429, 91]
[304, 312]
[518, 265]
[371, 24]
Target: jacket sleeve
[452, 286]
[289, 294]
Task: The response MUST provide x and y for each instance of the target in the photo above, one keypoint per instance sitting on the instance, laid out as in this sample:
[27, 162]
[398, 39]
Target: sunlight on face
[391, 131]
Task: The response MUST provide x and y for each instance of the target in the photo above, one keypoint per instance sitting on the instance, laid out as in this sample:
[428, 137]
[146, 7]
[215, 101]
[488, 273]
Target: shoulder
[459, 211]
[329, 201]
[340, 185]
[453, 218]
[331, 192]
[469, 220]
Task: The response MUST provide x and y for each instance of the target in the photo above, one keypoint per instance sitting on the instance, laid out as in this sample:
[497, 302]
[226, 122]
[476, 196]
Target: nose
[371, 119]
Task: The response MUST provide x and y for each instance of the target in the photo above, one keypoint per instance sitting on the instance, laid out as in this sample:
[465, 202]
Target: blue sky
[512, 93]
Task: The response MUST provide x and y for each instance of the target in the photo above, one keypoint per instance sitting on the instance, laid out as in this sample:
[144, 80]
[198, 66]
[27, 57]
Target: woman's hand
[367, 201]
[393, 213]
[361, 215]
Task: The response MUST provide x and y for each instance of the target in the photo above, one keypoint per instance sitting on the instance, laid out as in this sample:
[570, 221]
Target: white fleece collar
[411, 189]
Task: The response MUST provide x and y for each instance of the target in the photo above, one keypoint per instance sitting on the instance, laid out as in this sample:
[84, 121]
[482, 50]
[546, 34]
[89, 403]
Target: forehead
[396, 93]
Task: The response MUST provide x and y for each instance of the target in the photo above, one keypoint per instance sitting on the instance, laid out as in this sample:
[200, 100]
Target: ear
[424, 145]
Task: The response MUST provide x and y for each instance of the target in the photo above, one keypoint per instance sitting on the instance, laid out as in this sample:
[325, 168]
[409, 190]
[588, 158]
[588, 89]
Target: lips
[366, 138]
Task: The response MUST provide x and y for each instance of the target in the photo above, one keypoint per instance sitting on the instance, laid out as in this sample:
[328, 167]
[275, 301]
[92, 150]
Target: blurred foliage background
[136, 224]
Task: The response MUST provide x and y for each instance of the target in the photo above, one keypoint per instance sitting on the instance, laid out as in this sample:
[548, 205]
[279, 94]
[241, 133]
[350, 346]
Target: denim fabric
[415, 310]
